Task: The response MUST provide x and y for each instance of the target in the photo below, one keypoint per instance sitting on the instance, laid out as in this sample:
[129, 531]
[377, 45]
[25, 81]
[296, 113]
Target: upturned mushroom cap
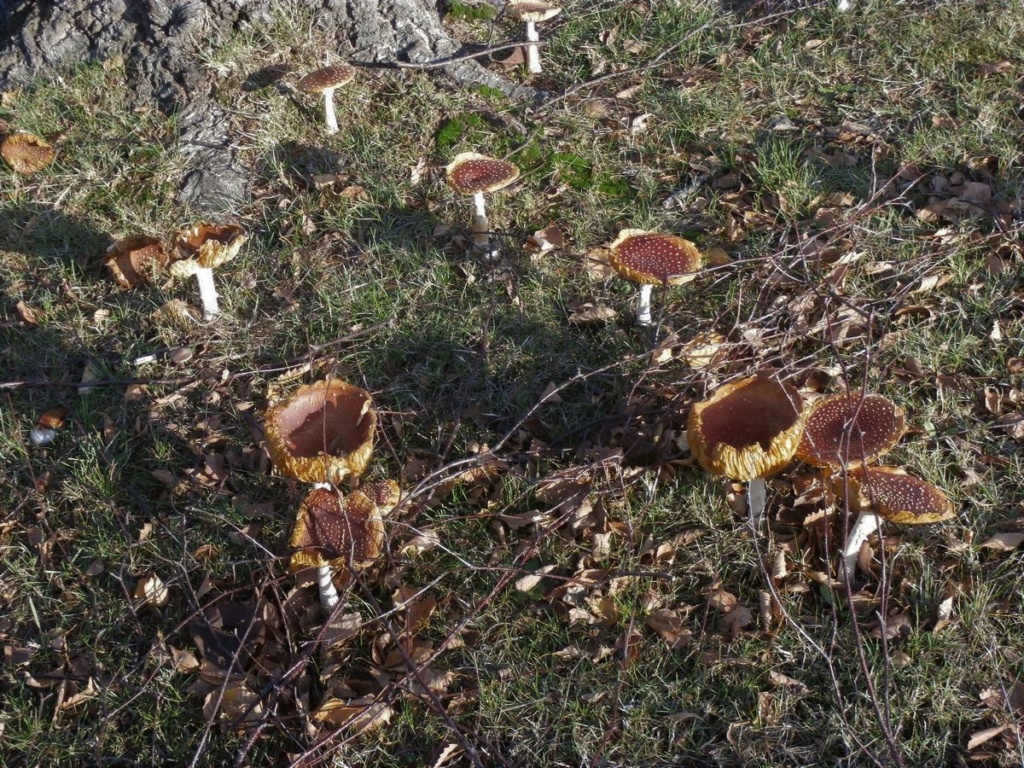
[470, 173]
[322, 433]
[531, 10]
[747, 429]
[25, 152]
[205, 245]
[849, 429]
[133, 260]
[894, 495]
[650, 258]
[325, 78]
[335, 530]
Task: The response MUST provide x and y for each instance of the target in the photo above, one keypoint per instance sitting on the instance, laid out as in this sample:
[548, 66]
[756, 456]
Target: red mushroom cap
[651, 258]
[849, 429]
[470, 173]
[896, 496]
[328, 77]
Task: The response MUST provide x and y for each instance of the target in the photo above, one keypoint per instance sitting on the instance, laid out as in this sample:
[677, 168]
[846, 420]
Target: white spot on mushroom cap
[848, 428]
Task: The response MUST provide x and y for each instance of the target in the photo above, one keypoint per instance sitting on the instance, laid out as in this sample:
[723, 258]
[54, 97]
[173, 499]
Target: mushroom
[25, 152]
[653, 259]
[340, 533]
[532, 11]
[891, 494]
[747, 430]
[322, 433]
[849, 429]
[198, 250]
[474, 174]
[324, 81]
[133, 260]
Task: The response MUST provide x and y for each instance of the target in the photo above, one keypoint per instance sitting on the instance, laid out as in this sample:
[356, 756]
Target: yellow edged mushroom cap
[322, 433]
[25, 152]
[336, 531]
[850, 429]
[650, 258]
[894, 495]
[133, 260]
[531, 10]
[205, 245]
[747, 429]
[470, 173]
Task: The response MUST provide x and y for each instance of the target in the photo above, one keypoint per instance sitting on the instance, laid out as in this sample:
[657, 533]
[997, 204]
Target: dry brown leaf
[27, 315]
[151, 590]
[785, 681]
[426, 538]
[986, 734]
[667, 624]
[592, 314]
[1003, 542]
[532, 580]
[356, 716]
[597, 264]
[238, 702]
[1012, 424]
[943, 615]
[994, 68]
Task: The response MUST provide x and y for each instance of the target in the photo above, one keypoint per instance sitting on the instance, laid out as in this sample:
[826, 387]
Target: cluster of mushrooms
[196, 250]
[323, 435]
[753, 428]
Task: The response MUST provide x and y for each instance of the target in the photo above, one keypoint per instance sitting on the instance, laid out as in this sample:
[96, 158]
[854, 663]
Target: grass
[815, 141]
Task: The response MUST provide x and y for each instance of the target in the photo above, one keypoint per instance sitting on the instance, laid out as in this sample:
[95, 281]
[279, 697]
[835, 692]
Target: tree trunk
[161, 42]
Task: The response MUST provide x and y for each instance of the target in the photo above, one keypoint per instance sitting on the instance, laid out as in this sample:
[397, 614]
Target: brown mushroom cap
[336, 531]
[849, 429]
[470, 173]
[650, 258]
[747, 429]
[325, 78]
[531, 10]
[133, 260]
[322, 433]
[205, 245]
[25, 152]
[896, 496]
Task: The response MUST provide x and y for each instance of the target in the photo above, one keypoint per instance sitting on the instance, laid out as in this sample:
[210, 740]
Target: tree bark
[161, 42]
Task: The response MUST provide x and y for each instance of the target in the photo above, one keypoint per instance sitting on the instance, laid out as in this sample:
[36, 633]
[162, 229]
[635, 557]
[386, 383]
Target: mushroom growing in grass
[325, 81]
[474, 174]
[340, 534]
[887, 493]
[133, 260]
[747, 430]
[25, 152]
[323, 433]
[653, 259]
[532, 12]
[198, 250]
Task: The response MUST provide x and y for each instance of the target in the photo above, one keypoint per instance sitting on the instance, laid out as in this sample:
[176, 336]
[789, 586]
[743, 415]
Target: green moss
[466, 12]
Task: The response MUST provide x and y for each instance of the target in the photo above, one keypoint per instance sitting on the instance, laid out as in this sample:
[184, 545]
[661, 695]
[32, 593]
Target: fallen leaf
[994, 68]
[28, 315]
[1003, 542]
[986, 734]
[356, 716]
[151, 590]
[592, 314]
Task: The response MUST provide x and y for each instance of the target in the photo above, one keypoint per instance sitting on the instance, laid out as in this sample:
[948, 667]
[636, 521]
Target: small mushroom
[322, 433]
[887, 493]
[198, 250]
[747, 430]
[133, 260]
[849, 429]
[532, 11]
[474, 174]
[334, 533]
[25, 152]
[653, 259]
[325, 81]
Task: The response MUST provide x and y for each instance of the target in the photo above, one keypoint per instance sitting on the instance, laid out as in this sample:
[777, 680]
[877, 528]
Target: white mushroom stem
[479, 208]
[207, 292]
[844, 6]
[481, 227]
[756, 494]
[332, 120]
[324, 574]
[643, 312]
[532, 51]
[866, 524]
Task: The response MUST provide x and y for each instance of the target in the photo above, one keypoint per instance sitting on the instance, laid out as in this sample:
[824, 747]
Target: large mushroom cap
[747, 429]
[336, 531]
[133, 260]
[326, 78]
[650, 258]
[849, 429]
[892, 494]
[25, 152]
[322, 433]
[206, 245]
[531, 10]
[470, 173]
